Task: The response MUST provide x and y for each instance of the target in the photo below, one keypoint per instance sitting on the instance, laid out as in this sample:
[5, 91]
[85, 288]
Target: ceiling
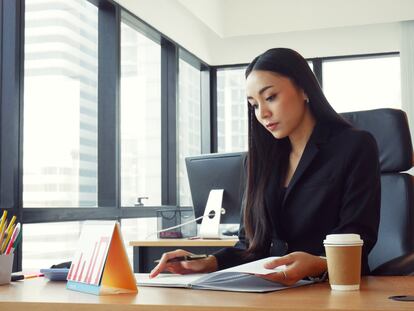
[232, 18]
[234, 31]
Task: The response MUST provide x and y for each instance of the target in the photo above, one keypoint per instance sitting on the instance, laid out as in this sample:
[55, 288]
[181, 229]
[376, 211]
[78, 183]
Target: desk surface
[183, 242]
[40, 294]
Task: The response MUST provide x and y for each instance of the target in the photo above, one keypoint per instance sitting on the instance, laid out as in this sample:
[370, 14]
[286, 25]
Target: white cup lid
[343, 239]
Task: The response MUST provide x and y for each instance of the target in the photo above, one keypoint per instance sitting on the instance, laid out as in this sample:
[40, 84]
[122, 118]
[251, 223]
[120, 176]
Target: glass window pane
[231, 110]
[140, 118]
[134, 229]
[189, 124]
[52, 243]
[362, 83]
[60, 105]
[48, 244]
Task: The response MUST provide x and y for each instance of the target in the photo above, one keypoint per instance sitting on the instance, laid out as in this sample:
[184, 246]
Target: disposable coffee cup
[343, 253]
[6, 266]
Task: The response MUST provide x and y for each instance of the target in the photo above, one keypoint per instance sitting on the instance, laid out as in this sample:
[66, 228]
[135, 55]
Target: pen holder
[6, 266]
[173, 218]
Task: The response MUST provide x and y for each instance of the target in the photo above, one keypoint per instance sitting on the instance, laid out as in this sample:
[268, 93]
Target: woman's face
[279, 104]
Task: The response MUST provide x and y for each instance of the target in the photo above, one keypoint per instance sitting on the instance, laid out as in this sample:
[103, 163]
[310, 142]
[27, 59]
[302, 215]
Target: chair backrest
[396, 230]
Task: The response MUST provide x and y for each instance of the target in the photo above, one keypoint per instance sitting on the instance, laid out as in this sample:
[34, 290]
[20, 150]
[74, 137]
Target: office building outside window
[49, 244]
[140, 117]
[232, 123]
[231, 110]
[350, 84]
[363, 83]
[60, 104]
[189, 124]
[140, 229]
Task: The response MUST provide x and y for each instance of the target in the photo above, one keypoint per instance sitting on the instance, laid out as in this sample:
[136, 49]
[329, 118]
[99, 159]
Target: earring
[307, 100]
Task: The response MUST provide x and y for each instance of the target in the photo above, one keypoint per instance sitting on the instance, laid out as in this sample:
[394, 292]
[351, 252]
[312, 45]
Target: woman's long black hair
[267, 154]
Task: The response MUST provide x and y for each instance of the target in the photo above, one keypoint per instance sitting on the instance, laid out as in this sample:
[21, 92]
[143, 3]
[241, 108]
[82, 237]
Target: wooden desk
[146, 251]
[40, 294]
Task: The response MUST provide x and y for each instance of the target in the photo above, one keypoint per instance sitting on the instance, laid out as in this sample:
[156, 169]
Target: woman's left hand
[298, 266]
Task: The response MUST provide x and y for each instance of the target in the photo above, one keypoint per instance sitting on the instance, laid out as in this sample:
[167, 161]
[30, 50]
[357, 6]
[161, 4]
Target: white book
[241, 278]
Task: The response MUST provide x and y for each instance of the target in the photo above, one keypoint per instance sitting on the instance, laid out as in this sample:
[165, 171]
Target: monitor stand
[210, 225]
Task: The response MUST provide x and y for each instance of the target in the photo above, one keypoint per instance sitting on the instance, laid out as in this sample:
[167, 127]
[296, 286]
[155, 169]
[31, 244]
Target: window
[134, 229]
[363, 83]
[48, 244]
[231, 110]
[61, 120]
[350, 84]
[140, 117]
[189, 124]
[60, 104]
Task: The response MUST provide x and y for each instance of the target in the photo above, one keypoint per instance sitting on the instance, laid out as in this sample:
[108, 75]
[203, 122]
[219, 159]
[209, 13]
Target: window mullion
[169, 85]
[108, 104]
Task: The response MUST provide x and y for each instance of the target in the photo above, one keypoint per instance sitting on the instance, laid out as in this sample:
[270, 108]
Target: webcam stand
[210, 225]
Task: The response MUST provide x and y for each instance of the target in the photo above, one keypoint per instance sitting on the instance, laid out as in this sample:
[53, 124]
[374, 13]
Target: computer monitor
[217, 171]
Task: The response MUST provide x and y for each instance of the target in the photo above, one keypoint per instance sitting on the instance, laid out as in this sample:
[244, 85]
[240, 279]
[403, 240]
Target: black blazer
[335, 189]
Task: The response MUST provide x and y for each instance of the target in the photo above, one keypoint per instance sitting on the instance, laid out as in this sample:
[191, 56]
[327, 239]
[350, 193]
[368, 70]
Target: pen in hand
[184, 258]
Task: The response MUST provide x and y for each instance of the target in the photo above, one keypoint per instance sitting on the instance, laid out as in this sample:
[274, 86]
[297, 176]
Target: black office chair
[394, 252]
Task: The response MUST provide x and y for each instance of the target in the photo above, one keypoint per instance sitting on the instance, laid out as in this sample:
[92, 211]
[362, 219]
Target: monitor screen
[217, 171]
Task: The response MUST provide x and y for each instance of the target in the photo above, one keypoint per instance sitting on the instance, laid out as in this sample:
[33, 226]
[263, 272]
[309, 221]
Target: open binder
[236, 279]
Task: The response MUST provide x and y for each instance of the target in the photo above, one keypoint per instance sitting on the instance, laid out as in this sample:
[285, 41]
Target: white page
[241, 282]
[255, 267]
[166, 279]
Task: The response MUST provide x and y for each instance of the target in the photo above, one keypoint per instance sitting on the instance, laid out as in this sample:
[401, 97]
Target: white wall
[174, 21]
[180, 25]
[249, 17]
[315, 43]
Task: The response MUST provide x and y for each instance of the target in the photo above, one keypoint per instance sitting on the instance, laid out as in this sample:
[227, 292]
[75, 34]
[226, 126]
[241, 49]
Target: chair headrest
[390, 129]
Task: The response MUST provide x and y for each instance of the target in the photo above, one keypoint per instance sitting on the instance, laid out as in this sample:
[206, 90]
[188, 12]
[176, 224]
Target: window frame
[317, 69]
[12, 24]
[205, 117]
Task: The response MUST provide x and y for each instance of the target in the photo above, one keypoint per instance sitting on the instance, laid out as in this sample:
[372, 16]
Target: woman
[309, 174]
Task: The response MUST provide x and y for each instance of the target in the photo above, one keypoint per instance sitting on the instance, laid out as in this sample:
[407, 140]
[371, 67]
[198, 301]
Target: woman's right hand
[208, 264]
